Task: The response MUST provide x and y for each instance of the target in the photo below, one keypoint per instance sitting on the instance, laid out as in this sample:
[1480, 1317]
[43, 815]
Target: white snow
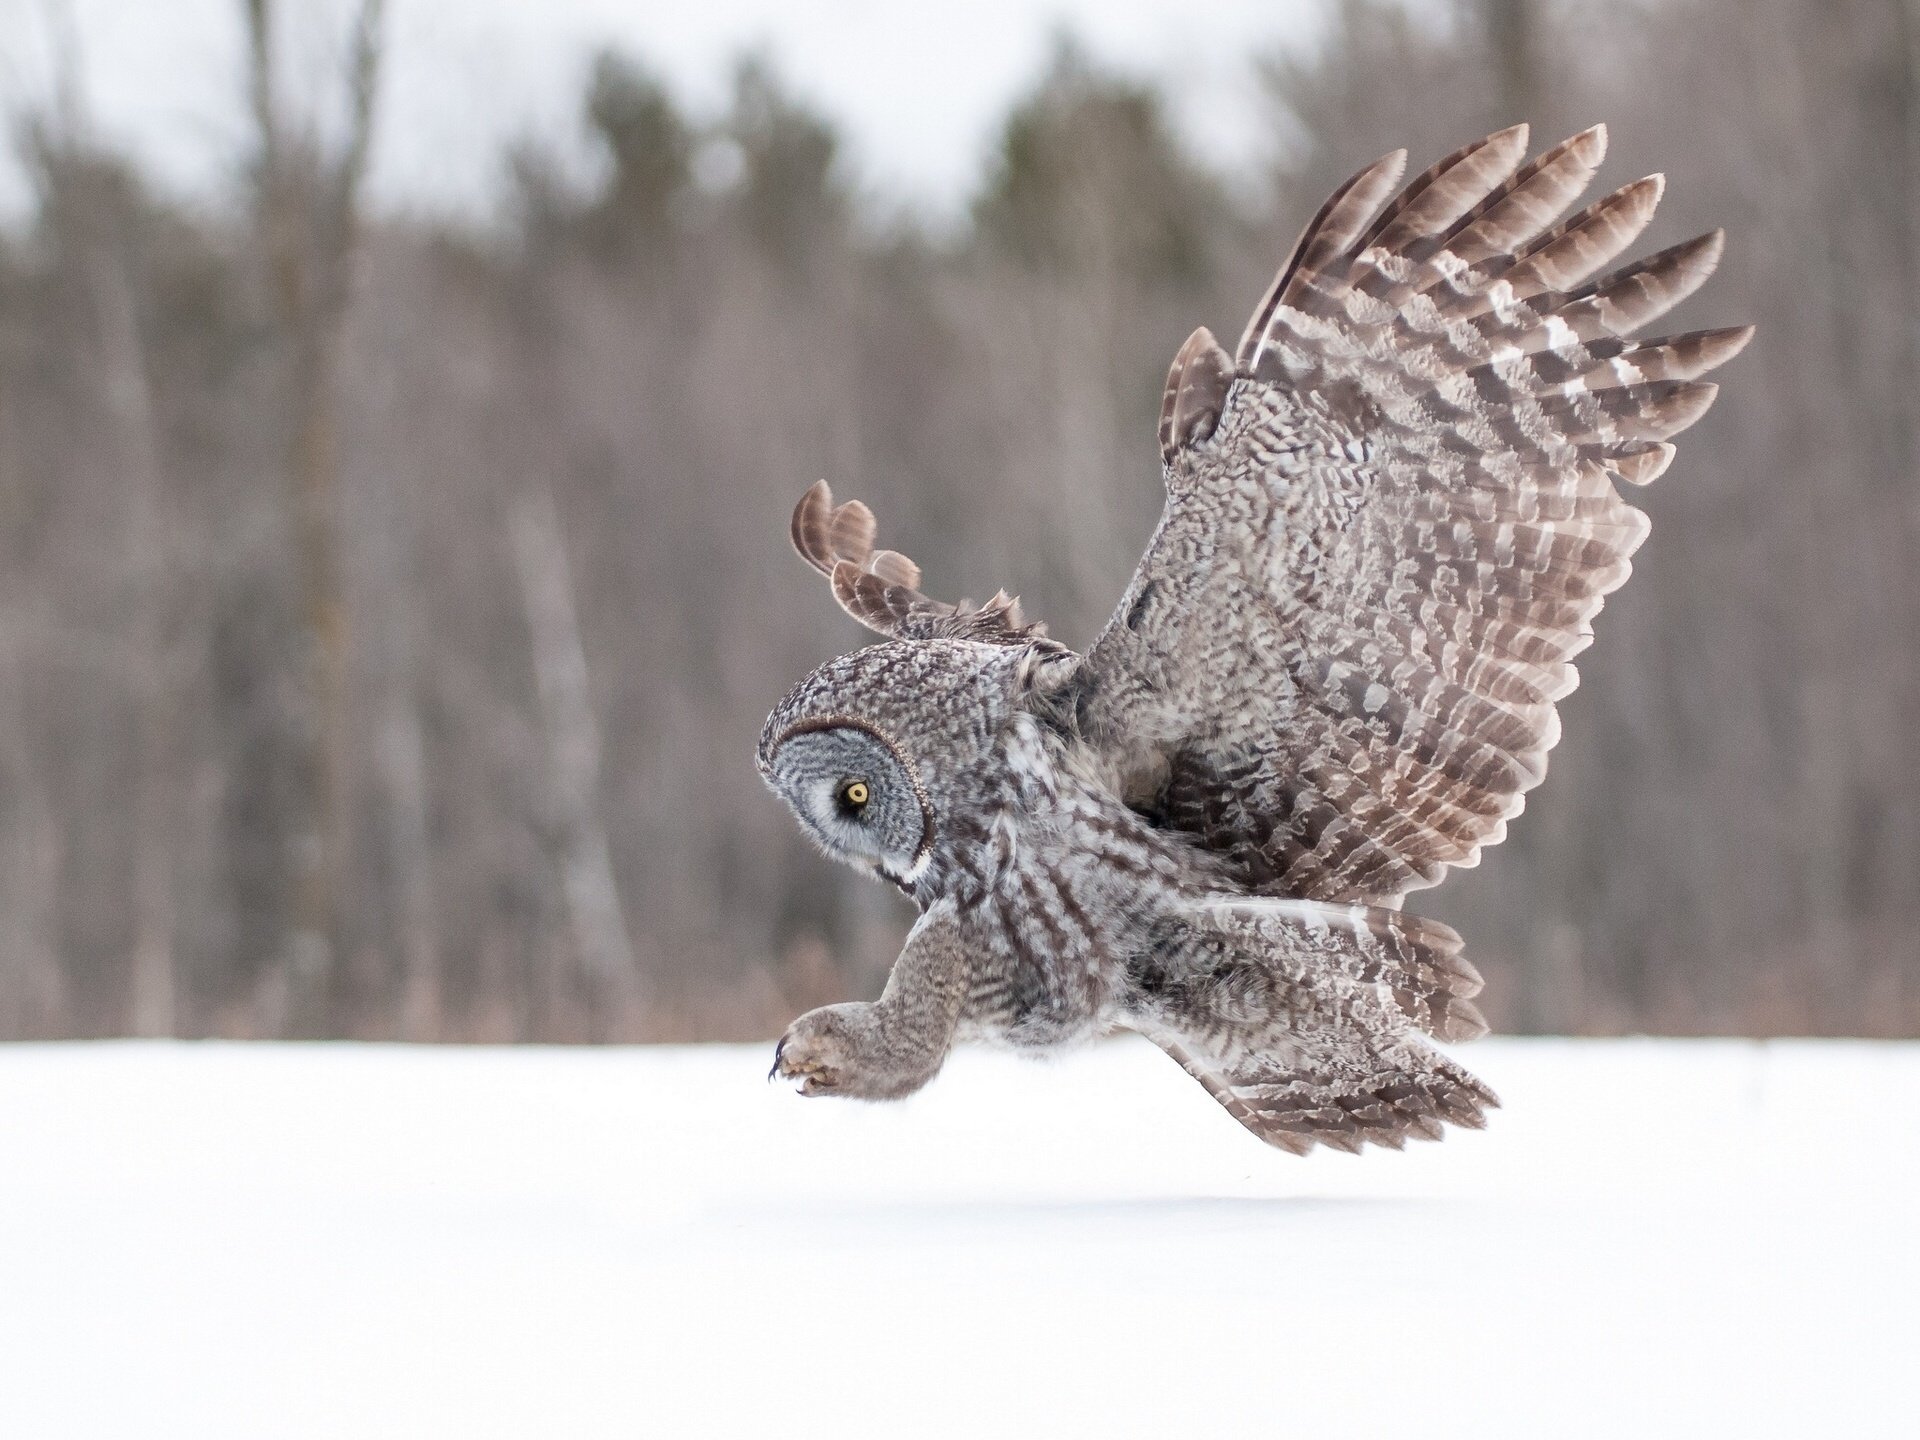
[1654, 1238]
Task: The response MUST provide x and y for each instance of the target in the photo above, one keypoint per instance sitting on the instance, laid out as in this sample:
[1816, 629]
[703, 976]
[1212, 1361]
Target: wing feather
[881, 588]
[1338, 224]
[1387, 535]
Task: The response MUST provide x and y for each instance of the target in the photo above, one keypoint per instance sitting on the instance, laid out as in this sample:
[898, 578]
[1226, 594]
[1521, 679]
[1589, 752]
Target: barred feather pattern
[1393, 524]
[1391, 517]
[1315, 1042]
[1318, 1090]
[881, 588]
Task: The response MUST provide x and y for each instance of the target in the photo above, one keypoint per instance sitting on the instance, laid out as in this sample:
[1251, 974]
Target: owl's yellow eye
[855, 793]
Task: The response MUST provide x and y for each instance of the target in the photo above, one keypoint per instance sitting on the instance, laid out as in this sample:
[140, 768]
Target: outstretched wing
[881, 588]
[1390, 518]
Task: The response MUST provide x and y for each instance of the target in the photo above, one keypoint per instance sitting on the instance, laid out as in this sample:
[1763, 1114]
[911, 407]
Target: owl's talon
[813, 1079]
[813, 1057]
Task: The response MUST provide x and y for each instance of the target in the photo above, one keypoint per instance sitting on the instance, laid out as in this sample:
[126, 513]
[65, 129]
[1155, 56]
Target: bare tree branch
[308, 221]
[573, 741]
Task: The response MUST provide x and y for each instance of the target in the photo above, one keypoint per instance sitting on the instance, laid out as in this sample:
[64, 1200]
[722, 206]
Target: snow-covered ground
[1655, 1238]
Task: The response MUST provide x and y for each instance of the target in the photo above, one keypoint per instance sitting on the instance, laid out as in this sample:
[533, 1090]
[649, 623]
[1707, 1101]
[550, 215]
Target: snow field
[1654, 1238]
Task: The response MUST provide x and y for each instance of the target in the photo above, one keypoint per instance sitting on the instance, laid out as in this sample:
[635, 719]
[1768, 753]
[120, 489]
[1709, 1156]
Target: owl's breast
[1066, 886]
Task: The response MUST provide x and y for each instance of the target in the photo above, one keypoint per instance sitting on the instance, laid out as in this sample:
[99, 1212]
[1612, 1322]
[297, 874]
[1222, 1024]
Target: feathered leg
[890, 1047]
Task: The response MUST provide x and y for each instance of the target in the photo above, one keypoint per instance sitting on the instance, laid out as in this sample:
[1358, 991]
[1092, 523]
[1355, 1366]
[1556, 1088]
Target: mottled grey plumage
[1390, 519]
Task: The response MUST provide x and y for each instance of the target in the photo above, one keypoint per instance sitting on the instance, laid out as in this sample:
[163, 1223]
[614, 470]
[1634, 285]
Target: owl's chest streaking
[1060, 887]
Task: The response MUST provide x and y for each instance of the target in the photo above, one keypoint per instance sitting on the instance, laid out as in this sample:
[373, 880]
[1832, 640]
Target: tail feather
[1368, 1096]
[1417, 961]
[1302, 1019]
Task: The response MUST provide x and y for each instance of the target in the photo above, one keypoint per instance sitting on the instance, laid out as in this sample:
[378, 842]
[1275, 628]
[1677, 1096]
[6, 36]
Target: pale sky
[917, 88]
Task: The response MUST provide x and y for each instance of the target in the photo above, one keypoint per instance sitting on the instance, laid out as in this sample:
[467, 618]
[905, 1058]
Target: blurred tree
[95, 210]
[307, 204]
[650, 150]
[547, 471]
[1388, 76]
[1088, 174]
[102, 201]
[1509, 27]
[1096, 236]
[790, 196]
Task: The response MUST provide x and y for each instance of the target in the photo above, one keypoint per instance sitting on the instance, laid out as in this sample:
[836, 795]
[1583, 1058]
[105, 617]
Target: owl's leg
[890, 1047]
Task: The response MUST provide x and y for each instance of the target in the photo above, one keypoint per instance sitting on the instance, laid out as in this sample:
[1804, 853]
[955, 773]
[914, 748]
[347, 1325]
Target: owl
[1390, 518]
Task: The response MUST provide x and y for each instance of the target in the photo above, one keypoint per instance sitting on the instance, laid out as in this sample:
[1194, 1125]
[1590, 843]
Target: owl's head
[877, 751]
[854, 792]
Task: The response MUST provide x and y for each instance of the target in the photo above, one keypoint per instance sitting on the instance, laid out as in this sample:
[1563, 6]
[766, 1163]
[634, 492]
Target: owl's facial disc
[855, 794]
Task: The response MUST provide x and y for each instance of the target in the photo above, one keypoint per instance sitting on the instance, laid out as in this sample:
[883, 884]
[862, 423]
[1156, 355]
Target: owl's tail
[1302, 1019]
[1415, 961]
[1343, 1096]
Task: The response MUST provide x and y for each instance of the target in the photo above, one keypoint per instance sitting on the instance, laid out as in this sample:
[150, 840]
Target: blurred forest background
[388, 609]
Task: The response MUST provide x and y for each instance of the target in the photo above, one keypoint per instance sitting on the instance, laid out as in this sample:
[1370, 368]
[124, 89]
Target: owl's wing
[1390, 518]
[881, 588]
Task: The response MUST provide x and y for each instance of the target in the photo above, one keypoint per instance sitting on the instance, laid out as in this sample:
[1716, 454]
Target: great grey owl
[1390, 518]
